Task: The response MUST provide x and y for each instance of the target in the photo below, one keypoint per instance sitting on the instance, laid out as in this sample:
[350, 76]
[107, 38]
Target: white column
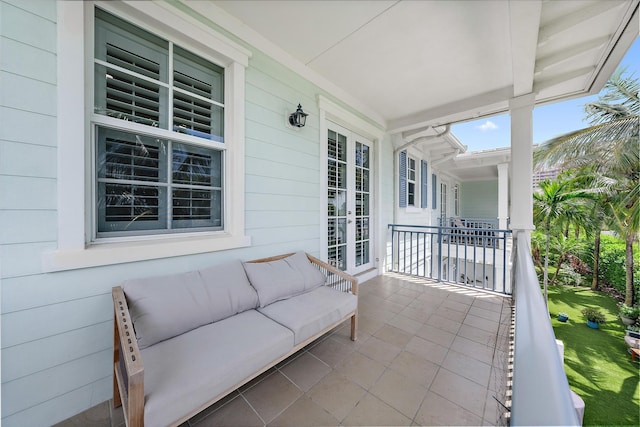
[521, 109]
[503, 195]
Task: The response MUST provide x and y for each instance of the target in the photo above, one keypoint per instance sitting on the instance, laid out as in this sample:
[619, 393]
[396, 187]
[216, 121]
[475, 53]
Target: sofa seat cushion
[283, 278]
[187, 371]
[311, 312]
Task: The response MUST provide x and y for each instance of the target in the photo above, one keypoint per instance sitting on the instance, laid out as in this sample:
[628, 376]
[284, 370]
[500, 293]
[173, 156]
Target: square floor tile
[481, 323]
[272, 396]
[461, 391]
[427, 350]
[485, 314]
[415, 367]
[332, 351]
[438, 411]
[471, 348]
[371, 411]
[304, 412]
[408, 325]
[305, 371]
[393, 335]
[379, 350]
[399, 392]
[478, 335]
[443, 323]
[360, 369]
[236, 413]
[337, 394]
[468, 367]
[436, 335]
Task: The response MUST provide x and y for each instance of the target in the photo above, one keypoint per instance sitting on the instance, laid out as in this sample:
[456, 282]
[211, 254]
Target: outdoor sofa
[184, 341]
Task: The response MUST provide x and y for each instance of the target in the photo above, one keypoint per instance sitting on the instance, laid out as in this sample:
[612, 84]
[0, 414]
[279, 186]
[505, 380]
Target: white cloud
[487, 126]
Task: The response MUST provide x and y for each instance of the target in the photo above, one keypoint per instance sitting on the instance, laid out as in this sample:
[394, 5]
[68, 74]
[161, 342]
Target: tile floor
[427, 354]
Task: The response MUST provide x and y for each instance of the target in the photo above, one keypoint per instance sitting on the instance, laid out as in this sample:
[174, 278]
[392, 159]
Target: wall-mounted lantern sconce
[299, 118]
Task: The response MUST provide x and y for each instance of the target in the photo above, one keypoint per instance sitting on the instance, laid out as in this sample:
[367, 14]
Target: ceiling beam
[543, 84]
[461, 108]
[566, 22]
[524, 20]
[571, 52]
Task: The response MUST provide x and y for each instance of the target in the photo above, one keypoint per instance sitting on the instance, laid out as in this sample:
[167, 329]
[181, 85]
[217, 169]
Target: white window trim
[75, 70]
[330, 111]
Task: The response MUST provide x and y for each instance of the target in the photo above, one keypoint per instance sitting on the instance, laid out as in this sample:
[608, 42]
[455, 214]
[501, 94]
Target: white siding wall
[479, 199]
[57, 327]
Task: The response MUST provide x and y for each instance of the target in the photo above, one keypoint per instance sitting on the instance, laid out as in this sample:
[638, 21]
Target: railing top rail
[540, 392]
[438, 227]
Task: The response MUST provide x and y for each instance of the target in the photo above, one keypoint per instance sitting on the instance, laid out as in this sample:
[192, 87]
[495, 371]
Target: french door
[349, 200]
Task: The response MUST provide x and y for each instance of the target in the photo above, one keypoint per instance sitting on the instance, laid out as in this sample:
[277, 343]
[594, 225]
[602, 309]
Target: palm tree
[610, 147]
[552, 204]
[566, 248]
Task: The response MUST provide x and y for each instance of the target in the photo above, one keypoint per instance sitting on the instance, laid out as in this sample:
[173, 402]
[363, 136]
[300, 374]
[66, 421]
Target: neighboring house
[146, 138]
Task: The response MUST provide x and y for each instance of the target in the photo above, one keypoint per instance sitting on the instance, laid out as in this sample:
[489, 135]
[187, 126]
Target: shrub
[568, 276]
[612, 265]
[627, 311]
[593, 314]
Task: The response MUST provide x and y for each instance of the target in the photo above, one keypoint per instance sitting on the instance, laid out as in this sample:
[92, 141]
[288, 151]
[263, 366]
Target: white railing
[475, 257]
[540, 390]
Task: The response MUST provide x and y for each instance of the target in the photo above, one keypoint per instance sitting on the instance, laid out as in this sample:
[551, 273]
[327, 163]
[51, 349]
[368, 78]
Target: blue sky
[548, 120]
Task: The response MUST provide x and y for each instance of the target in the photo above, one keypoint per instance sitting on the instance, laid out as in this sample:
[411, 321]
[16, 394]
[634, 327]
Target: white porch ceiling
[412, 64]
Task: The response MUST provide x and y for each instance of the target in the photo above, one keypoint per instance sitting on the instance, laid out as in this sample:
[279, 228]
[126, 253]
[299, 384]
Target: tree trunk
[596, 261]
[557, 273]
[629, 297]
[545, 274]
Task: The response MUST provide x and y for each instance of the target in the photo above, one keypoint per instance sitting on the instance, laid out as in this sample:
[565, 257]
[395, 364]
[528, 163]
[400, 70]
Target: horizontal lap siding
[282, 164]
[56, 327]
[479, 199]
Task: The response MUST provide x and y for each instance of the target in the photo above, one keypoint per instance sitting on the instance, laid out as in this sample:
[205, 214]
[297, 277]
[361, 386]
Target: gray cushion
[166, 306]
[284, 278]
[184, 373]
[311, 312]
[228, 290]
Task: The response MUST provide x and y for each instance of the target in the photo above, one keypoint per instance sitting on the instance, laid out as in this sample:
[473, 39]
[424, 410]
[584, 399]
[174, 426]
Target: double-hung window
[411, 181]
[157, 134]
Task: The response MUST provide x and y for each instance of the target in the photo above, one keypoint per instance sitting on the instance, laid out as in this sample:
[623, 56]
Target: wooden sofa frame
[128, 379]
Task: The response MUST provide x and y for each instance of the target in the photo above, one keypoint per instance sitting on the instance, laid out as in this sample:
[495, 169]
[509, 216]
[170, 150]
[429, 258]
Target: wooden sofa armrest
[337, 279]
[128, 379]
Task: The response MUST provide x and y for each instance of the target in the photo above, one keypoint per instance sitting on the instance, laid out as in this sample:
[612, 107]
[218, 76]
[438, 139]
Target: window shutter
[434, 191]
[402, 169]
[197, 115]
[129, 95]
[423, 184]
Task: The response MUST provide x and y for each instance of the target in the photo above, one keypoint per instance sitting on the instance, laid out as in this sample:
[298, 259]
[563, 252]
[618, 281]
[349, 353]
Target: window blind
[423, 184]
[402, 172]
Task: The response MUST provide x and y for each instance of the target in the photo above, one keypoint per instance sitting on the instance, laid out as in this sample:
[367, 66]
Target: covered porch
[428, 353]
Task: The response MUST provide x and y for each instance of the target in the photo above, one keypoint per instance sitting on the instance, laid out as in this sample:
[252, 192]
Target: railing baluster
[415, 249]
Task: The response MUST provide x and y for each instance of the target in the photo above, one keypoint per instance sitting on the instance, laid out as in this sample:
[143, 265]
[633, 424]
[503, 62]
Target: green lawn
[596, 361]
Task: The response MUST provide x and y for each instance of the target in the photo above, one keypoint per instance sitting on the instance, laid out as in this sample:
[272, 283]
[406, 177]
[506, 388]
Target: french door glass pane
[362, 204]
[337, 198]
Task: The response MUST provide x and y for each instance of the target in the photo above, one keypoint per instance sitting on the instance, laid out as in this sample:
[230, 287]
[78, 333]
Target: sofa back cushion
[283, 278]
[167, 306]
[228, 290]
